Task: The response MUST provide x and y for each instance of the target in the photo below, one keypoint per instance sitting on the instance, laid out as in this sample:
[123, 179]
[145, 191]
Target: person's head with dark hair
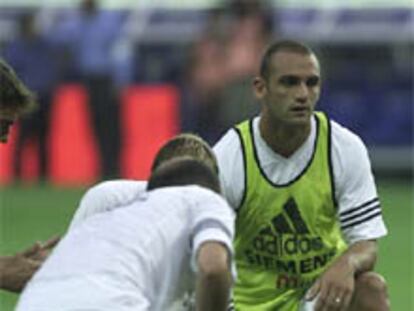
[281, 46]
[15, 99]
[189, 145]
[288, 87]
[183, 171]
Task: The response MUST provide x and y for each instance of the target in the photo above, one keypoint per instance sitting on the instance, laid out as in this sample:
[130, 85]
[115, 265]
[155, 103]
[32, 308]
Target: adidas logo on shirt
[287, 246]
[288, 234]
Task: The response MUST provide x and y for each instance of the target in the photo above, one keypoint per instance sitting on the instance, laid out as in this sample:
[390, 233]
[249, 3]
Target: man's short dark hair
[14, 95]
[183, 171]
[279, 46]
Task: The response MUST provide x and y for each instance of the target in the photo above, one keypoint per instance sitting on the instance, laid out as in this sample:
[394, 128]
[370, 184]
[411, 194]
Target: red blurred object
[149, 117]
[6, 157]
[73, 155]
[29, 159]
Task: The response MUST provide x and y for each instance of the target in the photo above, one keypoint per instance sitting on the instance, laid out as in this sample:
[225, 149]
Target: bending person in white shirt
[174, 238]
[109, 195]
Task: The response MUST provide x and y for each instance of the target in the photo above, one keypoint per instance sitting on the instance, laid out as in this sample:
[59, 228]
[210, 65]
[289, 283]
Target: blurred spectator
[222, 65]
[205, 79]
[251, 31]
[32, 56]
[90, 35]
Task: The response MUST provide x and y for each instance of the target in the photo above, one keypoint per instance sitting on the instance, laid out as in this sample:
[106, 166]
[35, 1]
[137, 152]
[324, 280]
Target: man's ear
[259, 87]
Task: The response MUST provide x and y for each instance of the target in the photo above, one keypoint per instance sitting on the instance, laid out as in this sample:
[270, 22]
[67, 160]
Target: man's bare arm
[214, 278]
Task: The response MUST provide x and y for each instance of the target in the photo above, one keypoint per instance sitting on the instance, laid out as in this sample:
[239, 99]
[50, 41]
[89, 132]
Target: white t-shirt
[359, 210]
[139, 257]
[106, 196]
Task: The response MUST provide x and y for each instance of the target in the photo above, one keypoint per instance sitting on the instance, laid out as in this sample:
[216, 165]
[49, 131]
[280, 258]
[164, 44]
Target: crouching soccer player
[174, 238]
[16, 100]
[308, 212]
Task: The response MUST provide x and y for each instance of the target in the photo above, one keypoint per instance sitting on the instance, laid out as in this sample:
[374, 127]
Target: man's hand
[16, 270]
[334, 288]
[39, 251]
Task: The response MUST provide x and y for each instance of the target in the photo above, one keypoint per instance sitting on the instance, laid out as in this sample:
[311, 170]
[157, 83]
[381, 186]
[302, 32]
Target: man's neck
[284, 139]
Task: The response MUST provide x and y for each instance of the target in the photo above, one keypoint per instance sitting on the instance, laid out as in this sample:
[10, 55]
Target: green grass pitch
[29, 214]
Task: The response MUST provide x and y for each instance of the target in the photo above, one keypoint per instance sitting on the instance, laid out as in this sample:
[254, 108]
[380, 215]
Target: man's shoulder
[348, 151]
[193, 193]
[228, 144]
[110, 186]
[345, 138]
[113, 191]
[106, 196]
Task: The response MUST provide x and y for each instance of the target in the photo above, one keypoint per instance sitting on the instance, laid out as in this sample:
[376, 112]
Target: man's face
[7, 118]
[292, 88]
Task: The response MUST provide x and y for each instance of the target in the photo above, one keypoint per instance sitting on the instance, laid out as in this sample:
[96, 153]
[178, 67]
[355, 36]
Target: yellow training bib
[286, 235]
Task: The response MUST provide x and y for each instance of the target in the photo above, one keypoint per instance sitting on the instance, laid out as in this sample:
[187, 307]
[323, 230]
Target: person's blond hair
[184, 170]
[188, 145]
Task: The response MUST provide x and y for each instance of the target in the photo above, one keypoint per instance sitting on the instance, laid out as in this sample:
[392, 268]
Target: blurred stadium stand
[367, 61]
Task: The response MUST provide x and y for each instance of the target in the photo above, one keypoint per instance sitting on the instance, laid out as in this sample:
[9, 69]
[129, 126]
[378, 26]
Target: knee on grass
[371, 293]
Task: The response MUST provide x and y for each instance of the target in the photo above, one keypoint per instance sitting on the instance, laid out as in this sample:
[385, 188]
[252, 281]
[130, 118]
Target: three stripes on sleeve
[360, 214]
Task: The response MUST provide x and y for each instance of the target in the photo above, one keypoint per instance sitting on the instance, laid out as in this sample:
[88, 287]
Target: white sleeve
[106, 196]
[212, 219]
[230, 158]
[359, 208]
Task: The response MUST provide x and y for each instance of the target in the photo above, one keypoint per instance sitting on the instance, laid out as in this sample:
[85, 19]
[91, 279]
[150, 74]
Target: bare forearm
[9, 278]
[213, 292]
[5, 264]
[214, 278]
[360, 256]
